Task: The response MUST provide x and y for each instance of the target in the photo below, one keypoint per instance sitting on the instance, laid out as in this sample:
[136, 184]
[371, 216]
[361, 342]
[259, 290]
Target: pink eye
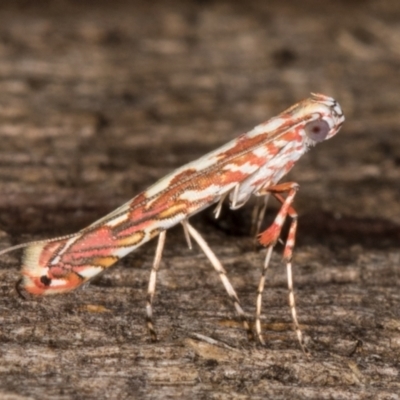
[317, 130]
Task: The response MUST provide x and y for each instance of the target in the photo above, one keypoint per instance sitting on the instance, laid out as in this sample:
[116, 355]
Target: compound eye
[317, 130]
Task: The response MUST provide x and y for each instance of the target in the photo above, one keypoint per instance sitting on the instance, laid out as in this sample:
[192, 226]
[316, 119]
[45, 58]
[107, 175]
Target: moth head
[326, 119]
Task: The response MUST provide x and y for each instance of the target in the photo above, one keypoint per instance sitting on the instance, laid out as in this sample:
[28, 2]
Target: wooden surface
[98, 100]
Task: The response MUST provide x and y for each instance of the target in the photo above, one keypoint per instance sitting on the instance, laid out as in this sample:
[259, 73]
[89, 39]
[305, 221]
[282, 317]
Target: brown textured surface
[98, 101]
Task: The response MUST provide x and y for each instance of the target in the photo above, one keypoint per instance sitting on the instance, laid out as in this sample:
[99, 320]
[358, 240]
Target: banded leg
[269, 238]
[287, 256]
[292, 305]
[152, 285]
[222, 274]
[260, 290]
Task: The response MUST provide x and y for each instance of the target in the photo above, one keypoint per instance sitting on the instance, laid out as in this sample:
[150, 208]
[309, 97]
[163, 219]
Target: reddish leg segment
[269, 238]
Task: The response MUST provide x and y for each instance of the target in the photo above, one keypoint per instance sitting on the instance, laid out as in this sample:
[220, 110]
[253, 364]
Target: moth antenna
[16, 247]
[34, 242]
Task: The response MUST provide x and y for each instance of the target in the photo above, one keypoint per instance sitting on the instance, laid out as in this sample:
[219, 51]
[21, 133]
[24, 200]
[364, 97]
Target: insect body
[251, 164]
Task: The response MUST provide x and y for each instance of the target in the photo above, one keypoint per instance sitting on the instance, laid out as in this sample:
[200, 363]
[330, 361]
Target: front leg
[269, 238]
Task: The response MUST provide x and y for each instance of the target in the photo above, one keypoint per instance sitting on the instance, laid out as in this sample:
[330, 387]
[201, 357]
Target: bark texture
[100, 99]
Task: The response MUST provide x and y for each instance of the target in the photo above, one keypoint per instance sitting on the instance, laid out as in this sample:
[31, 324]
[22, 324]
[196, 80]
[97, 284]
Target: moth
[250, 165]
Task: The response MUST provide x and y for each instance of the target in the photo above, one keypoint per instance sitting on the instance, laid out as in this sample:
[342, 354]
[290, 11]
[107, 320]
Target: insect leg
[271, 235]
[260, 290]
[222, 274]
[187, 236]
[152, 286]
[258, 214]
[292, 306]
[287, 257]
[269, 238]
[218, 208]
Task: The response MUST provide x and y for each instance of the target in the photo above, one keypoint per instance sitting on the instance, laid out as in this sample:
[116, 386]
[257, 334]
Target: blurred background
[99, 99]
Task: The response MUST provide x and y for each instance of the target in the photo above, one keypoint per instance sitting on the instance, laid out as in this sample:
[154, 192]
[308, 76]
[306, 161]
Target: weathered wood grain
[99, 100]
